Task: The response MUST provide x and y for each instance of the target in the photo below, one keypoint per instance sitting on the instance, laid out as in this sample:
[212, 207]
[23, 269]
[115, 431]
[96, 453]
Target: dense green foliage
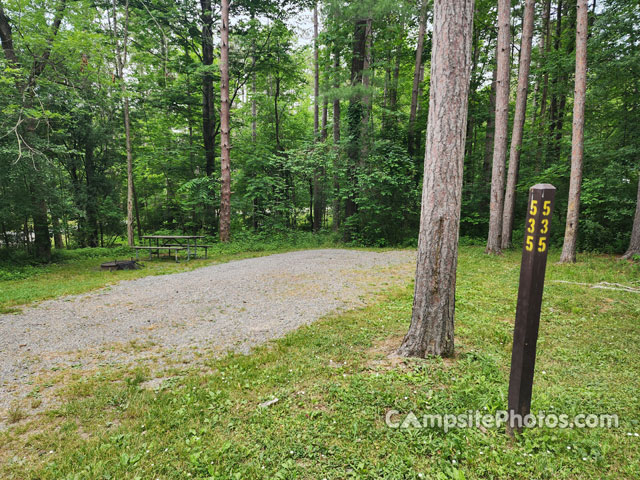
[62, 150]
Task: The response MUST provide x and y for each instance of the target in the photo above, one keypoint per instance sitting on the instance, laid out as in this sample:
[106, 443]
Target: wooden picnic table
[172, 242]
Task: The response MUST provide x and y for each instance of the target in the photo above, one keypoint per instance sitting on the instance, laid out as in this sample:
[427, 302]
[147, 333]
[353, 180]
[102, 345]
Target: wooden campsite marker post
[525, 334]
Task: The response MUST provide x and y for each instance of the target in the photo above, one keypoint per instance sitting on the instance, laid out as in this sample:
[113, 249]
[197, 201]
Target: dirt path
[230, 306]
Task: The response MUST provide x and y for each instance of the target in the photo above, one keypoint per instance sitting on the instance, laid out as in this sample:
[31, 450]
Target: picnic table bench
[176, 243]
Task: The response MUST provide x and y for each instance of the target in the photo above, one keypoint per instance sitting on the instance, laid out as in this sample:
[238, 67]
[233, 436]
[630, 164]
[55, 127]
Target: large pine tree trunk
[518, 123]
[225, 154]
[634, 243]
[413, 112]
[577, 139]
[496, 205]
[208, 108]
[431, 330]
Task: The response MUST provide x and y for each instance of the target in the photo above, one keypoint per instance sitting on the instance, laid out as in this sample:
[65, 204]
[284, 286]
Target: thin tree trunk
[208, 107]
[518, 122]
[316, 74]
[254, 110]
[367, 78]
[316, 207]
[431, 330]
[336, 138]
[137, 211]
[57, 233]
[634, 243]
[225, 156]
[356, 113]
[553, 104]
[490, 132]
[325, 118]
[545, 47]
[416, 79]
[41, 241]
[494, 240]
[121, 62]
[577, 143]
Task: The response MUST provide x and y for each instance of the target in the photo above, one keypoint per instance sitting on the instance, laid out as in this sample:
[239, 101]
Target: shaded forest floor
[335, 381]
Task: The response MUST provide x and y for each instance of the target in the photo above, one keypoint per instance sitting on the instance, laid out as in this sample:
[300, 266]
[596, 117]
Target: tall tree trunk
[136, 206]
[416, 79]
[577, 144]
[208, 107]
[518, 122]
[431, 330]
[317, 206]
[254, 109]
[545, 43]
[490, 131]
[316, 75]
[634, 242]
[225, 156]
[121, 62]
[367, 79]
[496, 206]
[553, 104]
[91, 205]
[355, 113]
[127, 132]
[57, 233]
[336, 138]
[41, 239]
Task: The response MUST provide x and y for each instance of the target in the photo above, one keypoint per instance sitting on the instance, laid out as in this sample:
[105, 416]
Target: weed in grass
[15, 414]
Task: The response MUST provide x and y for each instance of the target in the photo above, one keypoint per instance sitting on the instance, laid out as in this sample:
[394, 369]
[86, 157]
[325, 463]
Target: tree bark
[355, 113]
[121, 62]
[431, 330]
[41, 240]
[634, 243]
[225, 156]
[317, 206]
[91, 204]
[411, 143]
[208, 107]
[316, 75]
[490, 131]
[577, 144]
[518, 123]
[57, 233]
[545, 44]
[496, 206]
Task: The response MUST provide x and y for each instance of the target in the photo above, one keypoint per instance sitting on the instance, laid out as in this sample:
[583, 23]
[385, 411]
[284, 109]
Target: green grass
[335, 383]
[78, 271]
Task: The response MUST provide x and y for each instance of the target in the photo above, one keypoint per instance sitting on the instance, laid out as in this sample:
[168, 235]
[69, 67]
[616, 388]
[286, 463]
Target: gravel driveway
[230, 306]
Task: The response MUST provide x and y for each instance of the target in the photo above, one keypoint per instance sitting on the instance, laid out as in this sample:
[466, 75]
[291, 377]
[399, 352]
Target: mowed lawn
[335, 382]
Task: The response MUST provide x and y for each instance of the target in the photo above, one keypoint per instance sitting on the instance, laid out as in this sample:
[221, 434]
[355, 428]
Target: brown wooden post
[532, 270]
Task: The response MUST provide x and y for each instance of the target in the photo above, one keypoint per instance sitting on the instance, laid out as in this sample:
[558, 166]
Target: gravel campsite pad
[229, 306]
